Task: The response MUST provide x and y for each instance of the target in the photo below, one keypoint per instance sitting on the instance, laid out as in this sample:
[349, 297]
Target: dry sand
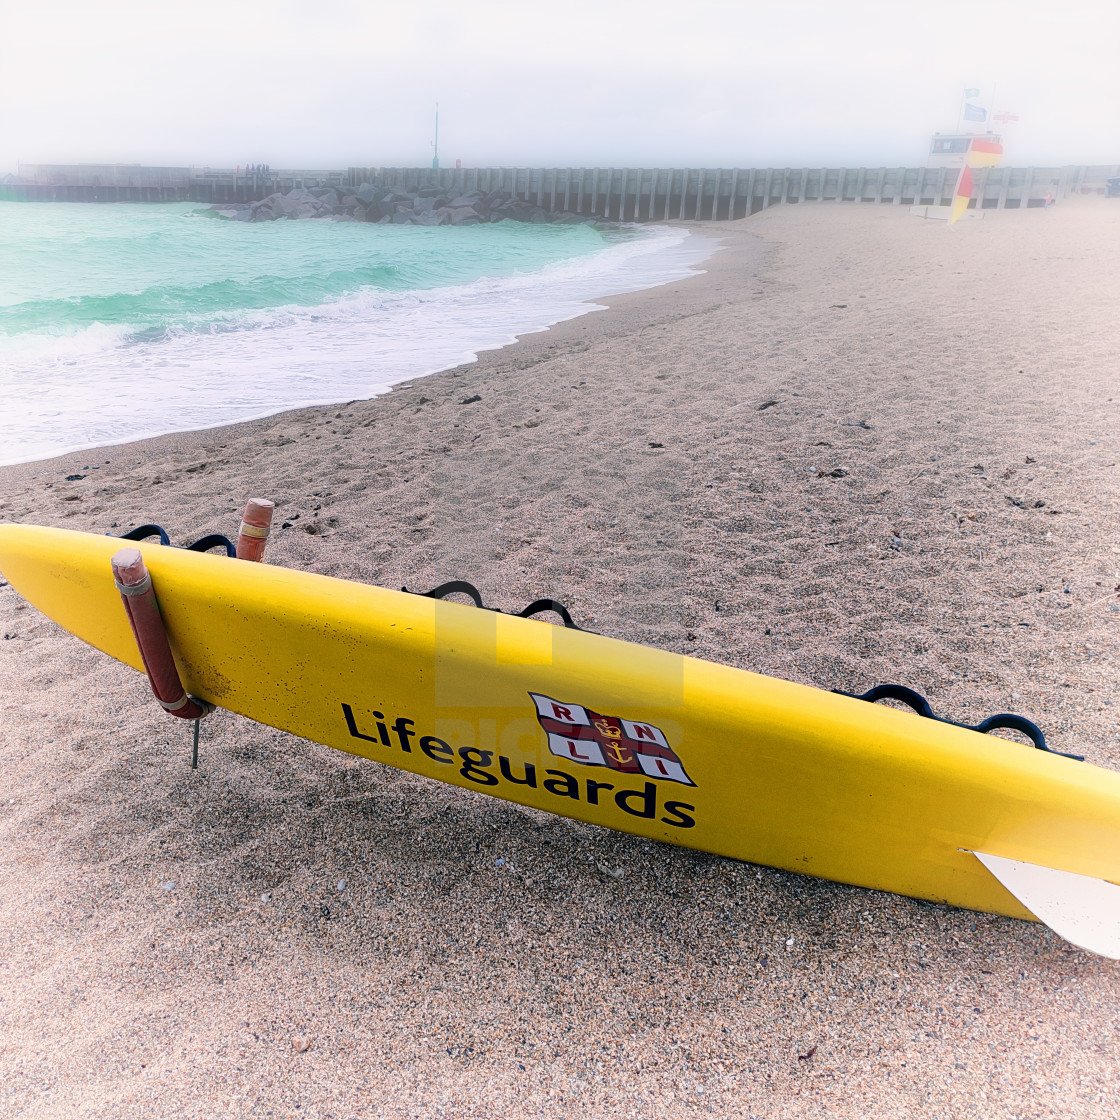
[167, 935]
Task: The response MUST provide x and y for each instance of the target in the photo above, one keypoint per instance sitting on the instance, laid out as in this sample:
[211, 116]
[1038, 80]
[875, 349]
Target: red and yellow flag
[962, 194]
[984, 153]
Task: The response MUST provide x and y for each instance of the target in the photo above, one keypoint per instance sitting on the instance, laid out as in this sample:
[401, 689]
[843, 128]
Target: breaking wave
[90, 368]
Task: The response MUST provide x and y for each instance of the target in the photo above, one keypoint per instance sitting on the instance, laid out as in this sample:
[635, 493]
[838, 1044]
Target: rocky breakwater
[429, 206]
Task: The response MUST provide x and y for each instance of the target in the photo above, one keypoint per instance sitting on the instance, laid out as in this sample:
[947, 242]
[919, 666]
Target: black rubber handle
[1006, 720]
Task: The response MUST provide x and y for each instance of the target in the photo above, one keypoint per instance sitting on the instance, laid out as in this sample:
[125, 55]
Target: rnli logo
[581, 735]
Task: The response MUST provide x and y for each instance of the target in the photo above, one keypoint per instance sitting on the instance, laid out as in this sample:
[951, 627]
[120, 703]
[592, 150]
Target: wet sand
[860, 448]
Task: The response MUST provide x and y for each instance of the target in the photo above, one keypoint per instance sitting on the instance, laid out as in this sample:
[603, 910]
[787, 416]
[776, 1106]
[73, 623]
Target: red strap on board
[139, 598]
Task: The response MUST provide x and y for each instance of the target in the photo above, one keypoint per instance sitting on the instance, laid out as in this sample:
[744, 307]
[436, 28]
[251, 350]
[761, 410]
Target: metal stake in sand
[255, 525]
[139, 598]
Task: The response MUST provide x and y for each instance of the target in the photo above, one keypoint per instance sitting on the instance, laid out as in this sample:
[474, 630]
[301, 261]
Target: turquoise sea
[124, 321]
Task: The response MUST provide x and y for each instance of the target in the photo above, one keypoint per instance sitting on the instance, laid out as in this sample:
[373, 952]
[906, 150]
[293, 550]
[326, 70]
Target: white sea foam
[37, 348]
[103, 387]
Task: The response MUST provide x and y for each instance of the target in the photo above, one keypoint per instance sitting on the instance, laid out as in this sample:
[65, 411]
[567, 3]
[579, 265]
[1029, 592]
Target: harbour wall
[617, 194]
[628, 194]
[132, 183]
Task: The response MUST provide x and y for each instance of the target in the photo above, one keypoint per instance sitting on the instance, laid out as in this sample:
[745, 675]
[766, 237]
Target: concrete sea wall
[618, 194]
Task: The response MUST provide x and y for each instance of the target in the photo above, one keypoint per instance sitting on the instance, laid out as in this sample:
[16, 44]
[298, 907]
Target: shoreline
[856, 449]
[354, 346]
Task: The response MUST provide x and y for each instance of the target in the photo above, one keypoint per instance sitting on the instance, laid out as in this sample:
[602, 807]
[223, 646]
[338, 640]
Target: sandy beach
[859, 448]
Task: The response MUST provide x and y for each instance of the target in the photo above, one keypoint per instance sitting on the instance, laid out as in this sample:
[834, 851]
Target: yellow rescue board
[621, 735]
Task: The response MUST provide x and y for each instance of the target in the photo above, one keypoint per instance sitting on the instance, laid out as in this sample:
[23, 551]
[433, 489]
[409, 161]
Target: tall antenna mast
[435, 143]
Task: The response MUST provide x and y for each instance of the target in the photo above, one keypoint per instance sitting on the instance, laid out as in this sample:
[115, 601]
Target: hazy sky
[333, 83]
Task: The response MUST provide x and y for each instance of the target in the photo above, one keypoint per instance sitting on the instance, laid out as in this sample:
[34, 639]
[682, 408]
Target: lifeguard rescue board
[633, 738]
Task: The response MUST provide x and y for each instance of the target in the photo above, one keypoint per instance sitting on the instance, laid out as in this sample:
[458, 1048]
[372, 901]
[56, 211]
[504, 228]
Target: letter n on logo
[644, 733]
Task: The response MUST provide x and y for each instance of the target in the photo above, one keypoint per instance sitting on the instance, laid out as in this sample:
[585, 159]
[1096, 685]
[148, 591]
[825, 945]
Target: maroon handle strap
[139, 598]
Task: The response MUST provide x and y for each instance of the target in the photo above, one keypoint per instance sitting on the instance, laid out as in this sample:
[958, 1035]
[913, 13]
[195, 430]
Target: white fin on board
[1083, 910]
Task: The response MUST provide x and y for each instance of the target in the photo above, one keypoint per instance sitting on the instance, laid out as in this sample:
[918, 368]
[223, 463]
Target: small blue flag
[975, 113]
